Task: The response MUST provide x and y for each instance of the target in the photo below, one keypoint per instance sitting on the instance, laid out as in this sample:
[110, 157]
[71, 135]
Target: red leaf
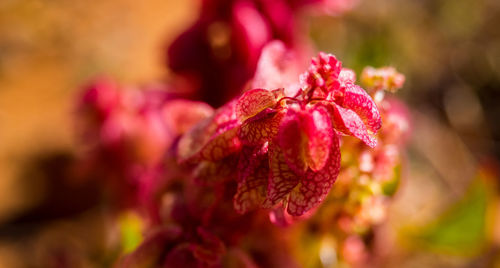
[211, 130]
[313, 189]
[305, 138]
[349, 123]
[261, 128]
[356, 99]
[180, 115]
[250, 158]
[223, 143]
[282, 179]
[318, 128]
[293, 141]
[251, 191]
[254, 101]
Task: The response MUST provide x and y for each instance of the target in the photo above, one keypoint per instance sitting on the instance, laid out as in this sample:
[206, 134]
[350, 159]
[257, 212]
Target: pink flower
[288, 145]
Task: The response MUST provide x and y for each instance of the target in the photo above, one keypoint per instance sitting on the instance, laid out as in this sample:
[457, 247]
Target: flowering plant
[238, 186]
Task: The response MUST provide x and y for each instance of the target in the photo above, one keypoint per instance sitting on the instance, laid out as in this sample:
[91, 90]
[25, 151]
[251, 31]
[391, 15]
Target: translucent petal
[223, 143]
[193, 141]
[260, 128]
[282, 179]
[317, 125]
[314, 187]
[251, 191]
[349, 123]
[356, 99]
[254, 101]
[293, 141]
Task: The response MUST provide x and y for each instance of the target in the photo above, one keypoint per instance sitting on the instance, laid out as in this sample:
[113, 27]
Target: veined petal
[282, 179]
[349, 123]
[250, 158]
[251, 191]
[193, 141]
[254, 101]
[223, 143]
[314, 187]
[260, 128]
[293, 141]
[355, 98]
[318, 128]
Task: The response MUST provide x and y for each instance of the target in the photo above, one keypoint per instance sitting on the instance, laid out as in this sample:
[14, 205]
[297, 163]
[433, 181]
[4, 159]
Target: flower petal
[356, 99]
[250, 158]
[260, 128]
[318, 128]
[223, 143]
[254, 101]
[193, 141]
[349, 123]
[251, 191]
[293, 141]
[313, 189]
[282, 179]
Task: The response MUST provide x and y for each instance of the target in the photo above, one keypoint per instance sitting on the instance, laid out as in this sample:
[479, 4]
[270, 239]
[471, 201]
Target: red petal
[349, 123]
[319, 131]
[293, 141]
[223, 143]
[282, 179]
[254, 101]
[261, 128]
[356, 99]
[251, 191]
[192, 142]
[250, 158]
[313, 189]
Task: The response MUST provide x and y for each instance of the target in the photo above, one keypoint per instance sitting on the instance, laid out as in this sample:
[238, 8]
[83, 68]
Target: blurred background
[446, 213]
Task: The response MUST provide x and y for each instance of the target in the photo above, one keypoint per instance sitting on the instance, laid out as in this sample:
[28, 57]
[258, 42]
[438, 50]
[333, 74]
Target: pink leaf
[254, 101]
[251, 191]
[293, 141]
[318, 128]
[282, 179]
[356, 99]
[349, 123]
[250, 159]
[261, 128]
[193, 141]
[223, 143]
[313, 189]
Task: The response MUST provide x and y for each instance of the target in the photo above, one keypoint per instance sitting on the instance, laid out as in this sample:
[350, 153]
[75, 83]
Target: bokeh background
[446, 213]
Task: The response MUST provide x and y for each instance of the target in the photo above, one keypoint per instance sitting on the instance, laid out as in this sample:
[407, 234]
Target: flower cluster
[367, 181]
[241, 185]
[211, 184]
[289, 145]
